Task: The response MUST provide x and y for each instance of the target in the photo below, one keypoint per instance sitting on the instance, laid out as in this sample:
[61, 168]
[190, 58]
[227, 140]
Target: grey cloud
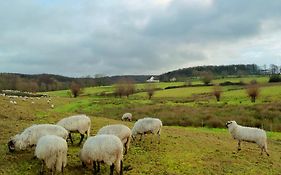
[80, 38]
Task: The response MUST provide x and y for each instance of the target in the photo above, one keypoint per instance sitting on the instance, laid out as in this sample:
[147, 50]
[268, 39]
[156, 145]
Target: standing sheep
[147, 125]
[123, 132]
[248, 134]
[52, 150]
[30, 136]
[127, 116]
[103, 148]
[77, 123]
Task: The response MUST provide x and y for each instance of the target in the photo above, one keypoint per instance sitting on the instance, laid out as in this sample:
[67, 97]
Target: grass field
[183, 150]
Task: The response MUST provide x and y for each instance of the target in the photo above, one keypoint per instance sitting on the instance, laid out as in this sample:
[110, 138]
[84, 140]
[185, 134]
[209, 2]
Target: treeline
[221, 71]
[50, 82]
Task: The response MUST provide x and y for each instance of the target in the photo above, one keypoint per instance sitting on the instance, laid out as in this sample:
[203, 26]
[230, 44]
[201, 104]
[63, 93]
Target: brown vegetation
[75, 89]
[124, 87]
[206, 77]
[217, 92]
[150, 89]
[253, 90]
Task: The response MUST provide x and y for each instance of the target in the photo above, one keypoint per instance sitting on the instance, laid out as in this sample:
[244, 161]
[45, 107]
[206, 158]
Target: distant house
[152, 80]
[173, 79]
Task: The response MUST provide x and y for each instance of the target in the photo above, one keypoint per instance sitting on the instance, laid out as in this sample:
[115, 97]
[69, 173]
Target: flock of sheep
[109, 144]
[106, 147]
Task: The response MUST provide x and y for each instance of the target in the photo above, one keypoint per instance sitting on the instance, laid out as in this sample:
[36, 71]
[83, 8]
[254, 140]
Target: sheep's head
[231, 124]
[17, 142]
[11, 145]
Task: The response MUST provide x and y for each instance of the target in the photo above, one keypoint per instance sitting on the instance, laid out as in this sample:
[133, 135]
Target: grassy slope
[183, 150]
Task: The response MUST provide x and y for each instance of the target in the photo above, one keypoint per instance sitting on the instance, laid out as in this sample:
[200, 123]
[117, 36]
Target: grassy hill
[183, 150]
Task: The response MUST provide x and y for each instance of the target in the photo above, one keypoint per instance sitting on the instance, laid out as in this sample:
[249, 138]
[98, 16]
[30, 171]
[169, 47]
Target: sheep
[52, 150]
[103, 148]
[145, 126]
[248, 134]
[123, 132]
[127, 116]
[77, 123]
[30, 136]
[52, 106]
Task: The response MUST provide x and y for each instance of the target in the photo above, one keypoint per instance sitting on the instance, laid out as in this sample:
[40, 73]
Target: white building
[152, 80]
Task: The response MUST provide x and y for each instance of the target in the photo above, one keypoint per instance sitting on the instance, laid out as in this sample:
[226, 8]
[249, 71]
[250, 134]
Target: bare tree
[206, 77]
[124, 87]
[75, 89]
[150, 89]
[217, 92]
[253, 90]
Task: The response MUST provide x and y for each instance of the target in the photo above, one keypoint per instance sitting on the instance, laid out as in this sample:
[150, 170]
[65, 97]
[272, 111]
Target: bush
[253, 90]
[274, 78]
[214, 122]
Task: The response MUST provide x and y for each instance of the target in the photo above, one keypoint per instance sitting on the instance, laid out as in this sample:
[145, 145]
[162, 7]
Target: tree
[253, 90]
[217, 92]
[206, 77]
[75, 89]
[150, 89]
[124, 87]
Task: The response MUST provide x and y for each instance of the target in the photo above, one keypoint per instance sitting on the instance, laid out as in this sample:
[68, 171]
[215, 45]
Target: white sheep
[127, 116]
[146, 126]
[248, 134]
[103, 148]
[30, 136]
[52, 150]
[123, 132]
[77, 123]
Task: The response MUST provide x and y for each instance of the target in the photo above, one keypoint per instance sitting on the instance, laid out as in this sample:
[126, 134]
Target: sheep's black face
[228, 123]
[11, 146]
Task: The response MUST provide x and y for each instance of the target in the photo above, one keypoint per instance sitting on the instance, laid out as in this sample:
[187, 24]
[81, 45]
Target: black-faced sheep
[119, 130]
[146, 126]
[127, 116]
[30, 136]
[77, 123]
[103, 148]
[248, 134]
[52, 150]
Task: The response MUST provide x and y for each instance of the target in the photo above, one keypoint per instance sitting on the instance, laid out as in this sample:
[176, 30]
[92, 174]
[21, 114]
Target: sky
[121, 37]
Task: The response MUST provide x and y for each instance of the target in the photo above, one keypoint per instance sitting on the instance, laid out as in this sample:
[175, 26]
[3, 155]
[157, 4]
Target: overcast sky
[117, 37]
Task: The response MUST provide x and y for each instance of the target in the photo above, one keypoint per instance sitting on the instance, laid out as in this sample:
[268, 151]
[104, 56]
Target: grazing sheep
[30, 136]
[123, 132]
[127, 116]
[77, 123]
[248, 134]
[52, 150]
[145, 126]
[52, 106]
[103, 148]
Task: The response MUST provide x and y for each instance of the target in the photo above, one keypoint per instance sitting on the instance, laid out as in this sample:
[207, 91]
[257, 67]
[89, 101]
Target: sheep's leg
[95, 167]
[98, 166]
[126, 146]
[141, 137]
[111, 169]
[81, 139]
[239, 146]
[121, 167]
[69, 136]
[42, 167]
[158, 133]
[62, 169]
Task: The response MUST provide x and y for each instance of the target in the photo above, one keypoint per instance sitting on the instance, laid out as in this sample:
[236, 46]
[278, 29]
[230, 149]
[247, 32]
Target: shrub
[150, 89]
[274, 78]
[253, 90]
[75, 89]
[217, 92]
[206, 77]
[214, 122]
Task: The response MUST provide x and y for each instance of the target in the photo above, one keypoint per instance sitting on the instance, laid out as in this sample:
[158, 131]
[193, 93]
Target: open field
[183, 150]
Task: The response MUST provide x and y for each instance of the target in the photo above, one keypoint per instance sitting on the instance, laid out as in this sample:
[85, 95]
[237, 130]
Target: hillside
[186, 147]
